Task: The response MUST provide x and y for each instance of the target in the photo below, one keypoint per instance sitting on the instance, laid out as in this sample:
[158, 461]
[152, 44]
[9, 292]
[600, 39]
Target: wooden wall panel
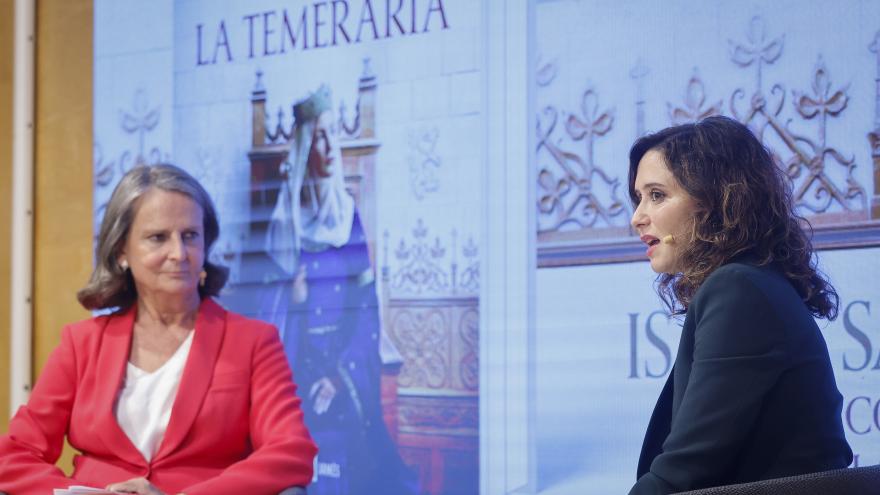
[6, 16]
[63, 174]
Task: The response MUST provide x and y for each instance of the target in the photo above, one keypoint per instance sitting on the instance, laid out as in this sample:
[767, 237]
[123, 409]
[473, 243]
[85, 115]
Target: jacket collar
[197, 374]
[113, 356]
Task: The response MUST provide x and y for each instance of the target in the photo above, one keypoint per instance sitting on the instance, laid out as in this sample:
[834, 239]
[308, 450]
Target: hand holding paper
[139, 486]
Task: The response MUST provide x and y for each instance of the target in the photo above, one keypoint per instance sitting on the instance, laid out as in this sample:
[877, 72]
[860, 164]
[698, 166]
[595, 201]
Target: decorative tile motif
[569, 182]
[421, 271]
[424, 162]
[757, 49]
[581, 216]
[469, 332]
[694, 108]
[139, 121]
[421, 414]
[805, 159]
[425, 268]
[432, 313]
[439, 342]
[422, 337]
[469, 281]
[546, 72]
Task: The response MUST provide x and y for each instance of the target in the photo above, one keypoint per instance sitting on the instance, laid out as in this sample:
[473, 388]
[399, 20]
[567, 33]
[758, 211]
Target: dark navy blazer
[752, 393]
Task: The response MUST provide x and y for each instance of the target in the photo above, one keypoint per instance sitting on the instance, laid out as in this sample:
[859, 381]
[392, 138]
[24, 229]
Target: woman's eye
[656, 195]
[157, 237]
[190, 235]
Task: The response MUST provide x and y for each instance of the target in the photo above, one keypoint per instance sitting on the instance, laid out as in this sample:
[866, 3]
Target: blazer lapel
[658, 427]
[684, 360]
[197, 374]
[111, 365]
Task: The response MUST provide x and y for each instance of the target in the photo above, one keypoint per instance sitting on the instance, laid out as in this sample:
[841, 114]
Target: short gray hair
[110, 285]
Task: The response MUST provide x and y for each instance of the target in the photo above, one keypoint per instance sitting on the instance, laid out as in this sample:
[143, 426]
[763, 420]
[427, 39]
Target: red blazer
[236, 425]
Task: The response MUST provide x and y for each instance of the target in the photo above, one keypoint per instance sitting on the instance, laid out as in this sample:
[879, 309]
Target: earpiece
[669, 239]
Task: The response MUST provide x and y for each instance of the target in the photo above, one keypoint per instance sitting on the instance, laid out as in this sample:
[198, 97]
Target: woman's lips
[652, 243]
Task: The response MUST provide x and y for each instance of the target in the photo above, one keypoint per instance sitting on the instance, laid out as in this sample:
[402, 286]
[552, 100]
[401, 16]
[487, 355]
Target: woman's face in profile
[664, 213]
[320, 158]
[165, 248]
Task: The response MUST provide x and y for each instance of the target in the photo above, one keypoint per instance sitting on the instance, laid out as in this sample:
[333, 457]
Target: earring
[203, 275]
[124, 265]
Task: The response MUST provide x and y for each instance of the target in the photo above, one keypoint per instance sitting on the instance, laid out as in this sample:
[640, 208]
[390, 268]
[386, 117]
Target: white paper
[82, 490]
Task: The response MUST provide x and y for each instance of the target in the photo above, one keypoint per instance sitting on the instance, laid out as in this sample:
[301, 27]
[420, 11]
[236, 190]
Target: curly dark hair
[744, 209]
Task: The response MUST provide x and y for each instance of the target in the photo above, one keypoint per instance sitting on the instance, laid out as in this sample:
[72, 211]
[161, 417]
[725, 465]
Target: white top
[144, 405]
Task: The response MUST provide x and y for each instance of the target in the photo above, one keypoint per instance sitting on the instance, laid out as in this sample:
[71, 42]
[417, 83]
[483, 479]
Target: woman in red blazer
[235, 425]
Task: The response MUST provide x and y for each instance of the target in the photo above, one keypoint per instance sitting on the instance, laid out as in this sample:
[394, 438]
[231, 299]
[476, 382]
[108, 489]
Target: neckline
[182, 349]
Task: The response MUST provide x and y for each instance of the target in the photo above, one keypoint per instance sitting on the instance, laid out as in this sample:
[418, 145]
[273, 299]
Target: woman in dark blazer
[752, 394]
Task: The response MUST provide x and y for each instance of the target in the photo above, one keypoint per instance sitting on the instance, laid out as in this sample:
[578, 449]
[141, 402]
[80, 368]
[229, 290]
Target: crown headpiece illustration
[313, 106]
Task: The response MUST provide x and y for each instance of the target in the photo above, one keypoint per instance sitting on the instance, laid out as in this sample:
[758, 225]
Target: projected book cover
[340, 142]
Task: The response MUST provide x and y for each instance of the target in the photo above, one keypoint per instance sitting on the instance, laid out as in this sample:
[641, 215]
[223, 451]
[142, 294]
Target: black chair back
[848, 481]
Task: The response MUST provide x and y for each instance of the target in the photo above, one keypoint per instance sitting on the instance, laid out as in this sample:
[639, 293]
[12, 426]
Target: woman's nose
[639, 219]
[177, 249]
